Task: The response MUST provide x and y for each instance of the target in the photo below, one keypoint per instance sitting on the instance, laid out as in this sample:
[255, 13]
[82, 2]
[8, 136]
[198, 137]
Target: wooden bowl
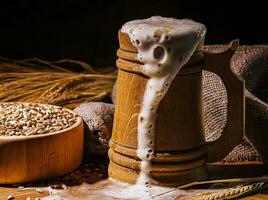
[37, 157]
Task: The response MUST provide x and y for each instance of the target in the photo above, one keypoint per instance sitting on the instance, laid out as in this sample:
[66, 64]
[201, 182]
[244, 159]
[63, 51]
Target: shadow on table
[90, 173]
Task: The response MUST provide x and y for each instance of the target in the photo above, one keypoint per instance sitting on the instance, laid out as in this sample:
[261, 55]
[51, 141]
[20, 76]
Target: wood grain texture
[179, 123]
[161, 167]
[257, 197]
[179, 132]
[20, 194]
[162, 157]
[96, 184]
[175, 130]
[163, 178]
[196, 59]
[31, 158]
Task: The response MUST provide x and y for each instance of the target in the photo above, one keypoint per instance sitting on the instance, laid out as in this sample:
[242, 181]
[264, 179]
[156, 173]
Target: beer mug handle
[219, 63]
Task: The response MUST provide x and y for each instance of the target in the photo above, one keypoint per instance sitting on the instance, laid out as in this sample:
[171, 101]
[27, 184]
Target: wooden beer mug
[181, 152]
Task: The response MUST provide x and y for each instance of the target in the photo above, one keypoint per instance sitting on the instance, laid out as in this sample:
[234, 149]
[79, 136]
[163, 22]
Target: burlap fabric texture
[250, 63]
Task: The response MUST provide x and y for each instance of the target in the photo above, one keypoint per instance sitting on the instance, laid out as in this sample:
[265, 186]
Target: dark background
[87, 30]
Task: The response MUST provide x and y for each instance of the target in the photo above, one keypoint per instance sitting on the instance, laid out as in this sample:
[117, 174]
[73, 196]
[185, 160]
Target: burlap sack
[250, 63]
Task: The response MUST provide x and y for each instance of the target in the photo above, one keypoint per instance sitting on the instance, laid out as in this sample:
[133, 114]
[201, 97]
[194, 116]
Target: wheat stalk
[229, 193]
[256, 183]
[36, 80]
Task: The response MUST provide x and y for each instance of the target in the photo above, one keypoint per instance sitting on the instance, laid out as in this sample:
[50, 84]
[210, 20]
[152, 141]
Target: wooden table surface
[95, 175]
[22, 195]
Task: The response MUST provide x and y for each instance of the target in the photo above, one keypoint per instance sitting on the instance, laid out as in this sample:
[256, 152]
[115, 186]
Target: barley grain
[25, 119]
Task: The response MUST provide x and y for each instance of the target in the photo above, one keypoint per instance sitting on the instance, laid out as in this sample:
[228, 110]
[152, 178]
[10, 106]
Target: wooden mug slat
[179, 127]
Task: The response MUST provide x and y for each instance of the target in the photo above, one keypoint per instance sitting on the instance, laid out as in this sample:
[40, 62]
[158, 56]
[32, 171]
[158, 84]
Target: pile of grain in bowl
[25, 119]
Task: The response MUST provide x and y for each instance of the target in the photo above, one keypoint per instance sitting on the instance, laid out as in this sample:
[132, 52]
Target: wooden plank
[20, 194]
[257, 197]
[32, 193]
[95, 175]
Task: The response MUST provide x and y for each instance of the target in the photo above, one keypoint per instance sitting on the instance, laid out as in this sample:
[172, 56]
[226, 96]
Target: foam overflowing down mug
[158, 132]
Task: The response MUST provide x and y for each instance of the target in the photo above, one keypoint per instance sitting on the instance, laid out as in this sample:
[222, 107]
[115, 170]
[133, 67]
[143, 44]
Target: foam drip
[164, 45]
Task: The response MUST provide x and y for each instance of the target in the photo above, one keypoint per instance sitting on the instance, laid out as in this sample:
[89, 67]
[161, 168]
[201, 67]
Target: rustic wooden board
[257, 197]
[20, 195]
[95, 177]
